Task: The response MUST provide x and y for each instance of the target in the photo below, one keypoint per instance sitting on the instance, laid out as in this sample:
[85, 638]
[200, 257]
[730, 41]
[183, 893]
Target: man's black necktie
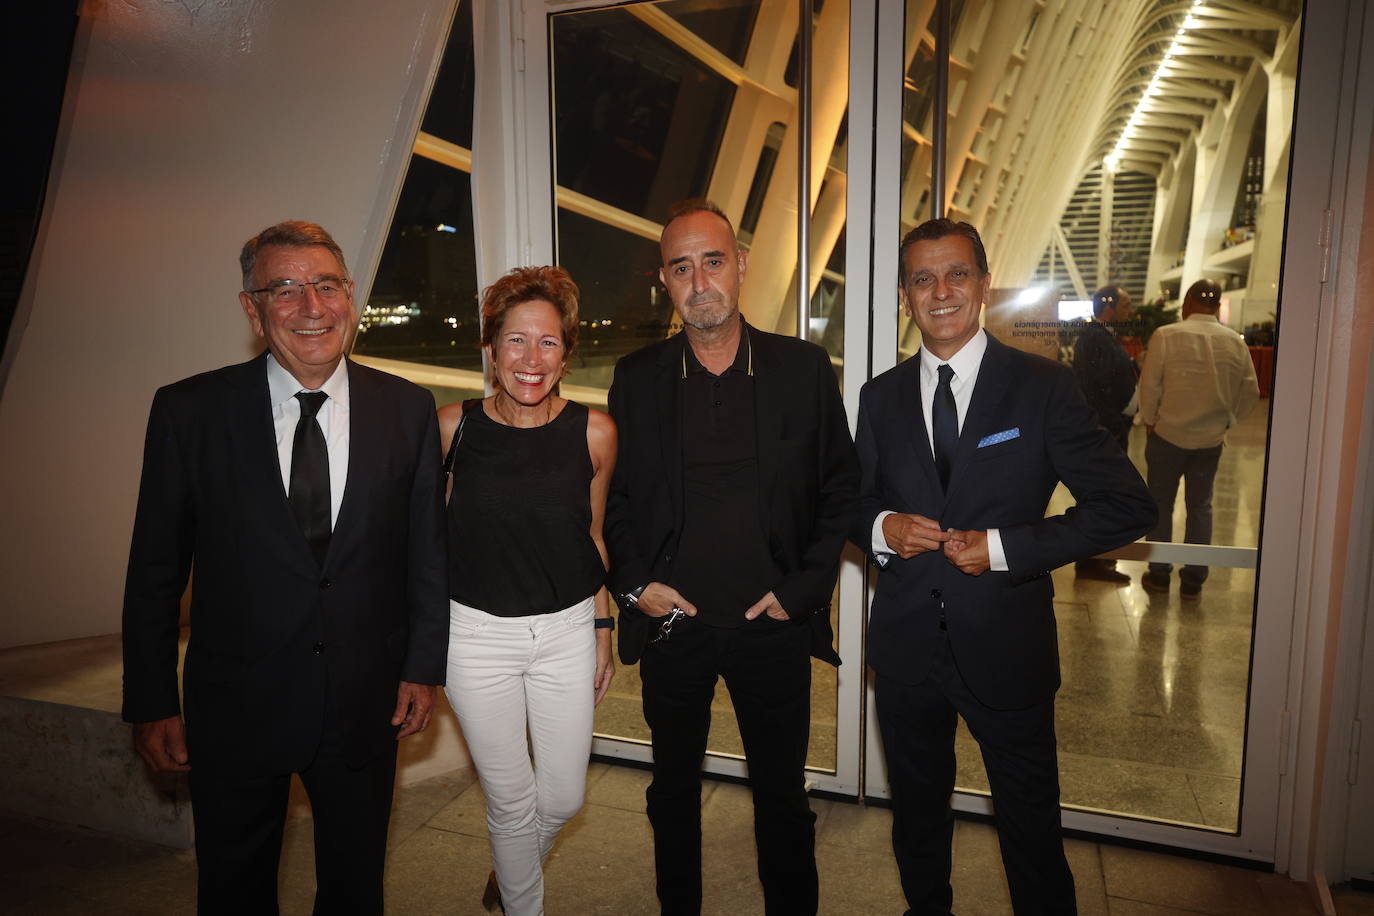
[944, 423]
[309, 490]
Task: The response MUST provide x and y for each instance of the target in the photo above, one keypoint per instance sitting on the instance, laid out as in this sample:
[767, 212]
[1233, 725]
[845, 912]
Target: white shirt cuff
[997, 558]
[881, 550]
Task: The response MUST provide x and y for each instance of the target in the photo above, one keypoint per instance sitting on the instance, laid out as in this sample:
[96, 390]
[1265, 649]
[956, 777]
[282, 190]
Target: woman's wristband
[604, 623]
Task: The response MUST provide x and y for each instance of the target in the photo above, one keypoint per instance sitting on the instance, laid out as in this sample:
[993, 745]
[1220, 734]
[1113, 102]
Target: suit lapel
[365, 421]
[255, 447]
[983, 411]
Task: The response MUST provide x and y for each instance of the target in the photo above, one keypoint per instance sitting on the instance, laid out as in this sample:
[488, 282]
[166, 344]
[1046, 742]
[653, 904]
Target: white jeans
[507, 674]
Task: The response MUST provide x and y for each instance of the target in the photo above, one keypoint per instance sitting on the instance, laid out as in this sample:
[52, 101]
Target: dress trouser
[522, 686]
[767, 669]
[1165, 464]
[239, 821]
[917, 723]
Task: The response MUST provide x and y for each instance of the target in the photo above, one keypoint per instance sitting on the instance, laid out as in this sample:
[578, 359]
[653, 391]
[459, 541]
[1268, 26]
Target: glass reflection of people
[1107, 377]
[529, 632]
[961, 447]
[1198, 381]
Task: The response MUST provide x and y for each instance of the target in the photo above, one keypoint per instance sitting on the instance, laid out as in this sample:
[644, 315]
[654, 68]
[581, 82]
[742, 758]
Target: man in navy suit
[960, 448]
[305, 489]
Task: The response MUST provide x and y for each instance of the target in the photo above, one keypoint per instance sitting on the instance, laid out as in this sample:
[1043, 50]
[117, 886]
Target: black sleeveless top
[520, 515]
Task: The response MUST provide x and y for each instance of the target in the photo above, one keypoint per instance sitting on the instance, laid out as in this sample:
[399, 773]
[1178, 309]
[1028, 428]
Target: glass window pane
[638, 119]
[726, 24]
[448, 115]
[422, 307]
[623, 307]
[643, 119]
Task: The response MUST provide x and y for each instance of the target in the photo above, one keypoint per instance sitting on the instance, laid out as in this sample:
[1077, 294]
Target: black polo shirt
[723, 565]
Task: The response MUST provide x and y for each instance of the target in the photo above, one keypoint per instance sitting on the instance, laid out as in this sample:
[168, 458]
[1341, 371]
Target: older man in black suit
[961, 447]
[733, 490]
[305, 490]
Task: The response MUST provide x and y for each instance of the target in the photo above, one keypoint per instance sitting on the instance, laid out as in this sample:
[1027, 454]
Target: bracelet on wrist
[604, 623]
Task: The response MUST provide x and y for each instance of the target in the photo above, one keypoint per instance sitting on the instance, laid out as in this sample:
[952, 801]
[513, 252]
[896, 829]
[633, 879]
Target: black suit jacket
[273, 633]
[1000, 624]
[1105, 373]
[807, 468]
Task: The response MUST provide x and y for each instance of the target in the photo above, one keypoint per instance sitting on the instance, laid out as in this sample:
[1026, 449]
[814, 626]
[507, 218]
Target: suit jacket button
[935, 593]
[318, 648]
[326, 583]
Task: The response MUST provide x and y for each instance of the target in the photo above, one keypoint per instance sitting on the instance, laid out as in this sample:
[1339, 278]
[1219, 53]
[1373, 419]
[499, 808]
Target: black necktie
[944, 422]
[309, 490]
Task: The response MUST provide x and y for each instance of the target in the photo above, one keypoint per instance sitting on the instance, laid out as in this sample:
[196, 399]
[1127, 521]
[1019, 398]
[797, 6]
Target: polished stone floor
[603, 864]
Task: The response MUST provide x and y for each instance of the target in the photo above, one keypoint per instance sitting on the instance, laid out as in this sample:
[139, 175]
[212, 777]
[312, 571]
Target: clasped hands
[910, 535]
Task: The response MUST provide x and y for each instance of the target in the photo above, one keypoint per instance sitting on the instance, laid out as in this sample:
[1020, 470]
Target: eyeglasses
[666, 629]
[327, 288]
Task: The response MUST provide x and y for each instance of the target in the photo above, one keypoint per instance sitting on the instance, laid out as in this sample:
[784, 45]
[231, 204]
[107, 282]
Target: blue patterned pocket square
[1003, 436]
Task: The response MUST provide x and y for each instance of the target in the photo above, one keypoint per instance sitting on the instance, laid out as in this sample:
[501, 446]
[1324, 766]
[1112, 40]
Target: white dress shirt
[965, 364]
[1197, 382]
[282, 388]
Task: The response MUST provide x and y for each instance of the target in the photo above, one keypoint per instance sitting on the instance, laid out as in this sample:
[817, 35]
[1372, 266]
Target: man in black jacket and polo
[733, 489]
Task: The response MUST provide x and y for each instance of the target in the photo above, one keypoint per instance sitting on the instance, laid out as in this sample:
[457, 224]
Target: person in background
[1198, 382]
[1107, 376]
[529, 653]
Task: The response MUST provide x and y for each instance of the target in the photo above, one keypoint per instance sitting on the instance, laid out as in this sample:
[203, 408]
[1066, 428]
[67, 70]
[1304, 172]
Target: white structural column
[1061, 134]
[1261, 299]
[994, 59]
[1106, 189]
[1045, 60]
[1223, 145]
[772, 257]
[760, 101]
[1173, 209]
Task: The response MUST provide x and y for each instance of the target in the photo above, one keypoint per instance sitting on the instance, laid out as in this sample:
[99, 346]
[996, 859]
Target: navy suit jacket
[807, 473]
[273, 635]
[1000, 624]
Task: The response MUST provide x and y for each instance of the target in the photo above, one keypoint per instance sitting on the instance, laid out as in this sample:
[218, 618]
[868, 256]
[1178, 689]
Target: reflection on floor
[604, 863]
[1151, 717]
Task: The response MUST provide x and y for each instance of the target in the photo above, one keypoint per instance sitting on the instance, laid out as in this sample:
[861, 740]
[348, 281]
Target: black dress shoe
[1156, 582]
[1101, 570]
[1189, 589]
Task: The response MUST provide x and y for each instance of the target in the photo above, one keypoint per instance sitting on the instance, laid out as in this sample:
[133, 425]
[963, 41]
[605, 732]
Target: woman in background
[530, 626]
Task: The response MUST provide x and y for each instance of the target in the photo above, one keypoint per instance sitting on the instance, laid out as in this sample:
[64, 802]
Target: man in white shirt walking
[1198, 381]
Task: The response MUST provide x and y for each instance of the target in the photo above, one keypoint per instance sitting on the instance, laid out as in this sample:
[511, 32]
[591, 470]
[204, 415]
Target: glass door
[1083, 170]
[649, 103]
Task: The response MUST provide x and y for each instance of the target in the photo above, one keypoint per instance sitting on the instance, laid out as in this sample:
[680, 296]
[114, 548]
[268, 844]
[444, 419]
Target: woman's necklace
[506, 418]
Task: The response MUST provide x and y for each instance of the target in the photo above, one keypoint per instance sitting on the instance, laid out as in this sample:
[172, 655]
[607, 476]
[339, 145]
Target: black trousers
[917, 723]
[767, 669]
[239, 821]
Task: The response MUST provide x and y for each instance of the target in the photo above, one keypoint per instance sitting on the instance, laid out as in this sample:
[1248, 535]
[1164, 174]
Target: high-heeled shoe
[491, 896]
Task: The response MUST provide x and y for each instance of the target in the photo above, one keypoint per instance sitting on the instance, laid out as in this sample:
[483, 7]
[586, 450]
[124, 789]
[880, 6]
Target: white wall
[186, 129]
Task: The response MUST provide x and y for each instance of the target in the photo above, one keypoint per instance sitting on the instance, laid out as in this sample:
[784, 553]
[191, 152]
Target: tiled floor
[603, 863]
